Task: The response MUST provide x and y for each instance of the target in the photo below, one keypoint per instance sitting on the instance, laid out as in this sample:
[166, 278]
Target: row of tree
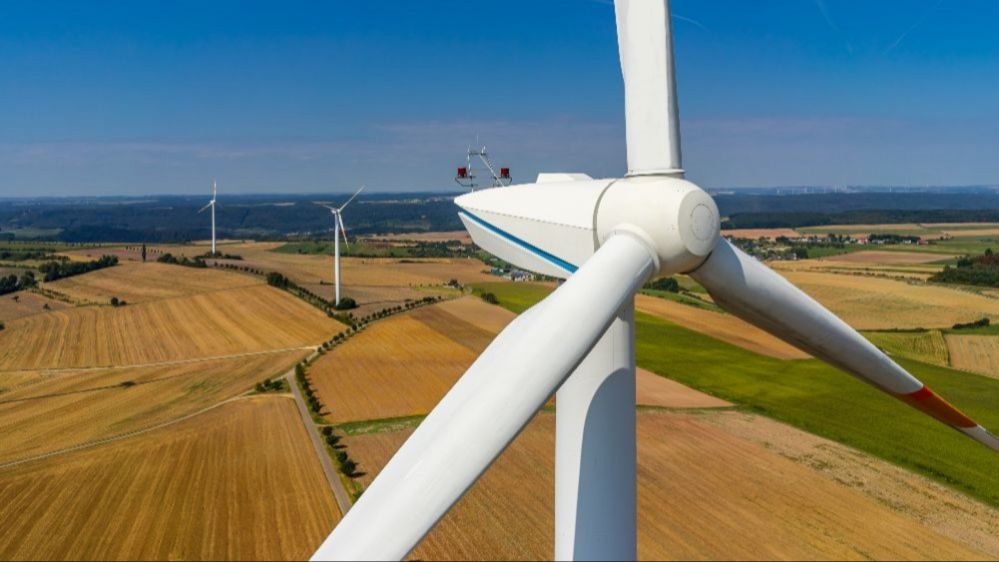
[980, 270]
[183, 260]
[54, 270]
[11, 283]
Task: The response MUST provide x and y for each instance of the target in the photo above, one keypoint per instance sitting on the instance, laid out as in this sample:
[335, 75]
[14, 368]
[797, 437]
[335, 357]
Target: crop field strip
[227, 322]
[239, 482]
[759, 504]
[74, 409]
[813, 396]
[872, 303]
[136, 282]
[975, 353]
[927, 346]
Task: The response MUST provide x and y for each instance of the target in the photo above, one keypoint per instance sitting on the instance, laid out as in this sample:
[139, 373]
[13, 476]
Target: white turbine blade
[203, 209]
[652, 116]
[759, 295]
[488, 407]
[343, 229]
[356, 193]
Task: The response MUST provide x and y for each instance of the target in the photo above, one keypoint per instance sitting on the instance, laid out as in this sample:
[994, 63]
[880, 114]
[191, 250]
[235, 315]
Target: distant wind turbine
[212, 205]
[338, 230]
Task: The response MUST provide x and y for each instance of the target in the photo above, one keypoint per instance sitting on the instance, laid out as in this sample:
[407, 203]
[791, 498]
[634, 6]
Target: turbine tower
[338, 230]
[212, 205]
[606, 238]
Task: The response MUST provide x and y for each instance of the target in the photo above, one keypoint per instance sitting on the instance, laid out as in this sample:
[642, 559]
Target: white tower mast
[339, 229]
[212, 205]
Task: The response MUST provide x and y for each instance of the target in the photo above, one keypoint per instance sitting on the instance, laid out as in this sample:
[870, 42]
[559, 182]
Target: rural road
[339, 492]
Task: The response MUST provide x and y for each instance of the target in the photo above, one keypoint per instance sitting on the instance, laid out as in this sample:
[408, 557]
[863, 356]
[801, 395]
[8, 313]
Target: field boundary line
[61, 370]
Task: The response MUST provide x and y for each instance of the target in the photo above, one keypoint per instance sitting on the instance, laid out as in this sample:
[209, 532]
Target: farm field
[873, 303]
[446, 236]
[927, 346]
[689, 473]
[811, 395]
[415, 351]
[978, 354]
[45, 413]
[140, 282]
[757, 233]
[885, 258]
[27, 303]
[207, 325]
[425, 352]
[725, 327]
[238, 482]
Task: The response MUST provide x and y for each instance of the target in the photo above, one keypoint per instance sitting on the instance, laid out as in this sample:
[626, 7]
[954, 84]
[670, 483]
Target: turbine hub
[678, 220]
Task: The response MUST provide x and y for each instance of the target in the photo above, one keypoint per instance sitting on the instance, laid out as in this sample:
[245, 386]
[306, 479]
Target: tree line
[980, 270]
[55, 270]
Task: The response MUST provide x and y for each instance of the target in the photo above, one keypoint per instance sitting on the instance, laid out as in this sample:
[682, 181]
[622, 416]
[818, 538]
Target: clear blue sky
[138, 97]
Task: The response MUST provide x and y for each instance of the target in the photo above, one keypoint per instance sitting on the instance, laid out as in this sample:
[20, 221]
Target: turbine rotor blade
[652, 114]
[343, 229]
[489, 406]
[356, 193]
[205, 207]
[759, 295]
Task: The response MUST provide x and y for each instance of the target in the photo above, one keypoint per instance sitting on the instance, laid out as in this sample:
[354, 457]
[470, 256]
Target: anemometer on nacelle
[467, 174]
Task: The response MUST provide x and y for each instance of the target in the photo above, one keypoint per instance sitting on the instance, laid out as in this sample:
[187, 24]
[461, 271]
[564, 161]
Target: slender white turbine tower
[606, 238]
[212, 205]
[338, 229]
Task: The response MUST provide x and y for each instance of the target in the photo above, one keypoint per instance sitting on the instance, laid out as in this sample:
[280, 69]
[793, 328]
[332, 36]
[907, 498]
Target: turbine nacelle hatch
[553, 227]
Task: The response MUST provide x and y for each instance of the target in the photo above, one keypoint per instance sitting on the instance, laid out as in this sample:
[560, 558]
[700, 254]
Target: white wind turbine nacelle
[606, 238]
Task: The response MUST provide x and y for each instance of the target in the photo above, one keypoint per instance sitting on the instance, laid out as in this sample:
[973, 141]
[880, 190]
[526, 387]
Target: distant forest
[264, 217]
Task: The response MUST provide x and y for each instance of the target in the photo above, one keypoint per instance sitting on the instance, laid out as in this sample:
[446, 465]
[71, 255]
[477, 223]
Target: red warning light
[504, 172]
[462, 172]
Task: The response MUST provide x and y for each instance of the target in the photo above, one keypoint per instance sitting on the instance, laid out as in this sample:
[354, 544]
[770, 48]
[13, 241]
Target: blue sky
[296, 96]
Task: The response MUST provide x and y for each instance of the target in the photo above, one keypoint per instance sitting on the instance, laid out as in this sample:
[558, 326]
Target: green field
[817, 398]
[927, 346]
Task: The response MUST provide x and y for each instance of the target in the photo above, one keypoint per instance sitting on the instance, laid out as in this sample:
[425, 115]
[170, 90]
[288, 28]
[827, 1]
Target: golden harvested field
[861, 228]
[703, 494]
[75, 408]
[653, 390]
[959, 225]
[876, 257]
[724, 327]
[835, 265]
[974, 232]
[978, 354]
[757, 233]
[928, 347]
[396, 367]
[238, 482]
[445, 236]
[26, 304]
[207, 325]
[306, 269]
[403, 366]
[873, 303]
[372, 299]
[139, 282]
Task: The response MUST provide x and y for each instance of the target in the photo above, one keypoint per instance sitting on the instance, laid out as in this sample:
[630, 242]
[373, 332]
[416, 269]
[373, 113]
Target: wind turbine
[338, 229]
[606, 238]
[212, 205]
